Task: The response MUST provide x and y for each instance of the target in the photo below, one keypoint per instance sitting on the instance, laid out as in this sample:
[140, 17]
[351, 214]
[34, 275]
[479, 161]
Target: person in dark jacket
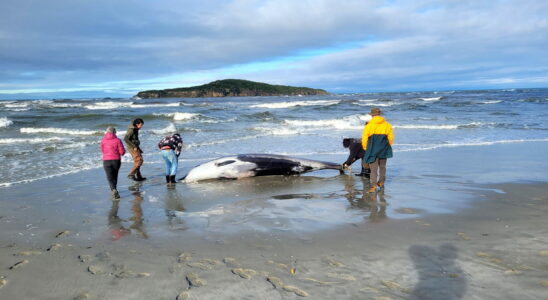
[113, 150]
[356, 152]
[133, 146]
[170, 147]
[377, 141]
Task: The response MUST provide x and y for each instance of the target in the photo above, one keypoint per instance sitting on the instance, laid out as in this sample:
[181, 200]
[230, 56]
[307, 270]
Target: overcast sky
[96, 48]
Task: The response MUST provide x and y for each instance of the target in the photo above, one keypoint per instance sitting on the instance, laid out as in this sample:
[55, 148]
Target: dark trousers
[111, 169]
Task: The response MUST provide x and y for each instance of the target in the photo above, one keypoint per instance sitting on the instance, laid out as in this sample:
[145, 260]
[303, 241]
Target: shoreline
[492, 249]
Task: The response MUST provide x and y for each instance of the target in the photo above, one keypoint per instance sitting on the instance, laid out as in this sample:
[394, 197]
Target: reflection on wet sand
[116, 226]
[174, 203]
[361, 199]
[439, 275]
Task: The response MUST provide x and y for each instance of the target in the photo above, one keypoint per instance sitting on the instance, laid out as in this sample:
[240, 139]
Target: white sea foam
[167, 130]
[491, 102]
[17, 105]
[379, 104]
[278, 131]
[58, 131]
[29, 141]
[442, 126]
[154, 105]
[355, 122]
[180, 116]
[288, 104]
[5, 122]
[64, 105]
[431, 99]
[468, 144]
[108, 105]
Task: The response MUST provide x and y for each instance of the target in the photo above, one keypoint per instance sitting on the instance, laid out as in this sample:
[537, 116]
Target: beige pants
[137, 162]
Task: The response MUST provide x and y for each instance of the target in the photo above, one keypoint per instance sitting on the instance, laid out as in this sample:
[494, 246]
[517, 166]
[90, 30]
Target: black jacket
[356, 151]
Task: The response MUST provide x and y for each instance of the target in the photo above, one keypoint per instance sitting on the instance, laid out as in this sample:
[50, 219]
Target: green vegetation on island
[231, 88]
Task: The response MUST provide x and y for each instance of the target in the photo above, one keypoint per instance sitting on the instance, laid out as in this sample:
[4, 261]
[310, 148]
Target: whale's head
[222, 168]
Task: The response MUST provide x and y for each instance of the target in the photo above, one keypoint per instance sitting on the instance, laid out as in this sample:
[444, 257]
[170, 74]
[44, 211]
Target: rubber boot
[172, 179]
[168, 179]
[139, 176]
[115, 194]
[373, 188]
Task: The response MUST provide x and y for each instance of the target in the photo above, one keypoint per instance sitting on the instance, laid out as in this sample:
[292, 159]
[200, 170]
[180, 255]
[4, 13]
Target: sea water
[45, 138]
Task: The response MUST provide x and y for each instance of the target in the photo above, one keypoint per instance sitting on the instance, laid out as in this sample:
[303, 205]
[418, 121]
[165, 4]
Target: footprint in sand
[342, 276]
[19, 264]
[183, 296]
[83, 296]
[85, 258]
[333, 263]
[394, 285]
[194, 280]
[463, 236]
[244, 273]
[28, 253]
[199, 265]
[184, 257]
[53, 247]
[278, 284]
[3, 281]
[231, 262]
[62, 234]
[96, 270]
[543, 253]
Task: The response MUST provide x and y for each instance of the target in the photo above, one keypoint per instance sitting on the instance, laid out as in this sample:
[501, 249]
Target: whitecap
[59, 131]
[468, 144]
[167, 130]
[491, 102]
[431, 98]
[289, 104]
[5, 122]
[29, 141]
[154, 105]
[108, 105]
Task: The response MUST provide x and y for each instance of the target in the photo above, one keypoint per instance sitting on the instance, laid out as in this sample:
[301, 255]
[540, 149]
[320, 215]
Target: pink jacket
[112, 147]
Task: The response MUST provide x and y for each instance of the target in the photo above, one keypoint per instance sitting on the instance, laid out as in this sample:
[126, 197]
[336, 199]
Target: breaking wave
[59, 131]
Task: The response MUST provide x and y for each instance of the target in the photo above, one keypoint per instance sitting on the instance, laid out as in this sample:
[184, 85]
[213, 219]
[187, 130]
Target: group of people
[374, 148]
[113, 150]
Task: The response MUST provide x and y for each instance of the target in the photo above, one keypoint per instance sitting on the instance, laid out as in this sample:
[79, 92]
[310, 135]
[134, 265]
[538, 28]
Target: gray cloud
[366, 44]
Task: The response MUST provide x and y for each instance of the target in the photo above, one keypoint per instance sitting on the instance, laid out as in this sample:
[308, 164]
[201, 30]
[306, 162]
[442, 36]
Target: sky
[107, 48]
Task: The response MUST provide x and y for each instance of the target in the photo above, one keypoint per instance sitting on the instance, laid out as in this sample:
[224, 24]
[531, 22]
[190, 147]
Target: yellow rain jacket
[377, 139]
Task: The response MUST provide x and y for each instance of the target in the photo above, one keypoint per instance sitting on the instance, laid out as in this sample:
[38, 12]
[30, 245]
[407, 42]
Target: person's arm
[353, 148]
[121, 149]
[102, 146]
[179, 146]
[365, 136]
[127, 139]
[390, 134]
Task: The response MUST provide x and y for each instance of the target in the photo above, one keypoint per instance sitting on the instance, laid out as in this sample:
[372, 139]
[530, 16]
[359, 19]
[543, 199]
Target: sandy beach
[433, 234]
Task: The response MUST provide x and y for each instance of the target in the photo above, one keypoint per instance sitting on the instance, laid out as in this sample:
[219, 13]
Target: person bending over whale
[356, 152]
[170, 147]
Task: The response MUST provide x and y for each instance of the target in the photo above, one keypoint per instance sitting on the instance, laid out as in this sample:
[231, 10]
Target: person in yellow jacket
[377, 141]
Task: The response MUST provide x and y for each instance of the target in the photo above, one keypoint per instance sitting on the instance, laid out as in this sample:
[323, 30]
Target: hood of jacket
[377, 120]
[110, 136]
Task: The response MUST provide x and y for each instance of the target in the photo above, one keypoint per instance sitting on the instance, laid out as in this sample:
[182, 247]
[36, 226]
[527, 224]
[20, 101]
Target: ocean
[47, 138]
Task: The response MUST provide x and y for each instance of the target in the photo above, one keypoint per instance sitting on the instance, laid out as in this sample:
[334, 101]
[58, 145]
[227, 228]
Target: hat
[111, 129]
[375, 111]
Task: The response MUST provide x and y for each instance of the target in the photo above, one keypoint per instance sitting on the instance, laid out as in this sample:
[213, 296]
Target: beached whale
[250, 165]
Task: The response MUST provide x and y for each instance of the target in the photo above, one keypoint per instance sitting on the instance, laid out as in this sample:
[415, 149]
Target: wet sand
[435, 235]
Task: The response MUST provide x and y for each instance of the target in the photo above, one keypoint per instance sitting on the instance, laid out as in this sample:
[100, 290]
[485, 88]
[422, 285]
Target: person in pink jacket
[112, 149]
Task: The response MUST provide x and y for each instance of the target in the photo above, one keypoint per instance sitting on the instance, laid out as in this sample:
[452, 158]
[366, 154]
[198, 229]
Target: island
[231, 88]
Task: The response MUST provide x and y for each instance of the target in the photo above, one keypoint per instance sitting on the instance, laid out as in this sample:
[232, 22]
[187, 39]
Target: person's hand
[344, 166]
